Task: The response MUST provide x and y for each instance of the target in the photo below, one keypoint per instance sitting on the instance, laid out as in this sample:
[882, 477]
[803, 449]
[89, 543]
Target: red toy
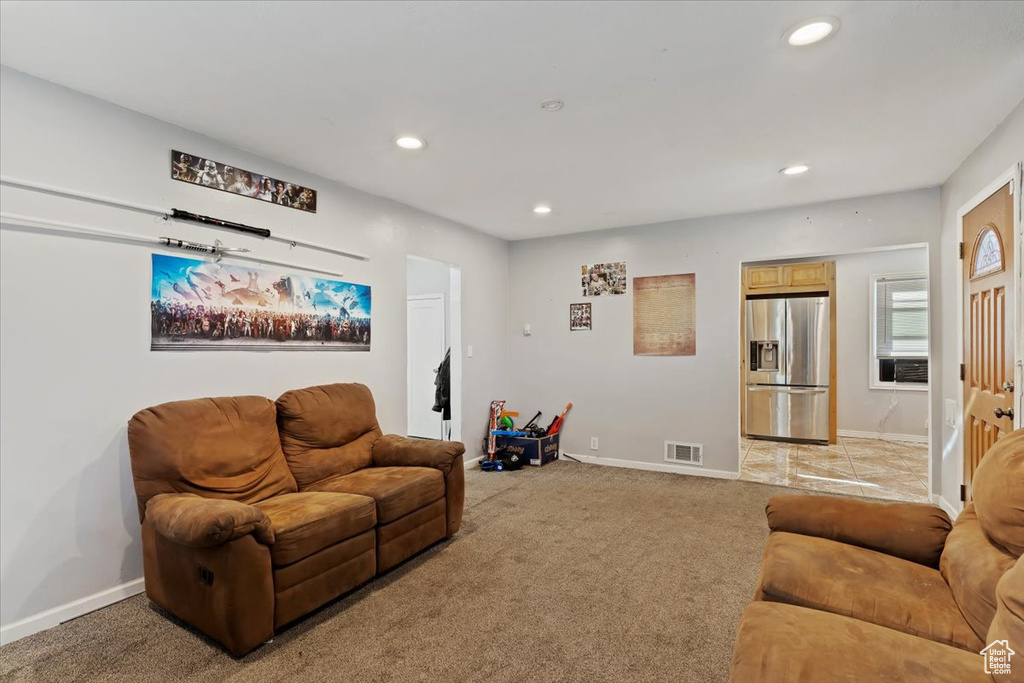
[557, 423]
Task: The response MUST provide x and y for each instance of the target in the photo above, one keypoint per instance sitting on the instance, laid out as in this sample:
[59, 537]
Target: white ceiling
[672, 110]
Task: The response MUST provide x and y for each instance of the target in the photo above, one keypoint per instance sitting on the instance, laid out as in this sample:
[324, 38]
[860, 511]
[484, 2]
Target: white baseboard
[912, 438]
[950, 509]
[654, 466]
[58, 615]
[472, 462]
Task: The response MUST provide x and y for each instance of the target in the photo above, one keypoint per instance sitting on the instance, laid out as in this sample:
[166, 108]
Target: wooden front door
[988, 327]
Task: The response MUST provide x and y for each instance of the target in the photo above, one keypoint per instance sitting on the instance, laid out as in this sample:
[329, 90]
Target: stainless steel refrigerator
[787, 384]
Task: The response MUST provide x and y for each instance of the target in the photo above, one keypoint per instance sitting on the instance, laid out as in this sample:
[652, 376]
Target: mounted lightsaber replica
[218, 250]
[178, 214]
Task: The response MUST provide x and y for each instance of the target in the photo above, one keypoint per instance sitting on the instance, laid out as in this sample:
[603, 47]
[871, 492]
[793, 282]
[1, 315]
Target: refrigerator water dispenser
[764, 356]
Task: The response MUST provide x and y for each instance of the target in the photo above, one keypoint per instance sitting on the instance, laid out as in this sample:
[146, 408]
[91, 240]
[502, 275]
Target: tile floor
[893, 470]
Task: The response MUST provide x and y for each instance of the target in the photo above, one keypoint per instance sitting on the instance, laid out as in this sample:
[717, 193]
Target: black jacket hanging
[443, 391]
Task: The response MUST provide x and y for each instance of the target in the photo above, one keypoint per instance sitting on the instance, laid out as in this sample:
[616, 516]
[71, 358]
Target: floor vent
[684, 453]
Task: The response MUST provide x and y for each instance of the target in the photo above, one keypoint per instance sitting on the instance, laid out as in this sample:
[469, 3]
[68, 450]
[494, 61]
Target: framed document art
[579, 317]
[664, 315]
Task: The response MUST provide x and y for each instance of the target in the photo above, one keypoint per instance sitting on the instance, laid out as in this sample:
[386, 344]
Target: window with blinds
[901, 329]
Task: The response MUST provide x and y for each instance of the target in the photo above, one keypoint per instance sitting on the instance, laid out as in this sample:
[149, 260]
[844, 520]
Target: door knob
[1008, 386]
[1004, 413]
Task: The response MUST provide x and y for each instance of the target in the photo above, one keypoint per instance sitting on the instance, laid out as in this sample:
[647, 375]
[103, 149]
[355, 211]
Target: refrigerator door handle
[788, 390]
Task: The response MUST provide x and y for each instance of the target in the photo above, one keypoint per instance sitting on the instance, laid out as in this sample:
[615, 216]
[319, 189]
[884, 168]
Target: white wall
[427, 276]
[1002, 149]
[634, 403]
[75, 333]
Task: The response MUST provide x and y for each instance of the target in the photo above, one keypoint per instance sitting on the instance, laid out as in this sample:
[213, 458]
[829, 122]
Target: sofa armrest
[912, 531]
[397, 451]
[199, 522]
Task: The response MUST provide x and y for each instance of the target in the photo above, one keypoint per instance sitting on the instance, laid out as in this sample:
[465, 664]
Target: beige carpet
[564, 573]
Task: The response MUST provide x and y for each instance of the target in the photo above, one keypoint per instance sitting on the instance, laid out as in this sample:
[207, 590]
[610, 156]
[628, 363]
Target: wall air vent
[684, 453]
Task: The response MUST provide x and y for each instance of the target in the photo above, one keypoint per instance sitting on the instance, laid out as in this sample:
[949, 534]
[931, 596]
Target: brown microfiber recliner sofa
[852, 590]
[255, 513]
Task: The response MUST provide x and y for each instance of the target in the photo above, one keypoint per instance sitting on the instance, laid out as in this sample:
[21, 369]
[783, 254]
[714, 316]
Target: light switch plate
[527, 330]
[949, 412]
[469, 351]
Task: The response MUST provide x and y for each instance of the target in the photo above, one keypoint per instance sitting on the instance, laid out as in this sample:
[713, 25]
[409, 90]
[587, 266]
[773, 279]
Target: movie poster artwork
[189, 168]
[201, 305]
[604, 278]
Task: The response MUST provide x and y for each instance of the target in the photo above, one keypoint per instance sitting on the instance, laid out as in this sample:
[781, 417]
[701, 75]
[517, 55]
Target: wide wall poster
[201, 305]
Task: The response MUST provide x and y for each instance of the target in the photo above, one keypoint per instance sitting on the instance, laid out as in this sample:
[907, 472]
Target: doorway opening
[873, 440]
[433, 349]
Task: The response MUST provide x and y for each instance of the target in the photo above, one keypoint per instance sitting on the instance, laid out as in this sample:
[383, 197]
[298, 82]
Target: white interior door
[426, 348]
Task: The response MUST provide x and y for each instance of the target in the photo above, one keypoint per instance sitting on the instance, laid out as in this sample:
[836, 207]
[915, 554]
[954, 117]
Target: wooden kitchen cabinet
[807, 274]
[759, 277]
[789, 278]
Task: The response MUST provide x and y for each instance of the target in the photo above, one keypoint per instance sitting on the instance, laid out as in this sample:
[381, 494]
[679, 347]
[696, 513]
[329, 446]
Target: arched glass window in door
[988, 254]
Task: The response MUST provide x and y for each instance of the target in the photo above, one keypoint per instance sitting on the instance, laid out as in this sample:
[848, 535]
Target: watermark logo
[997, 657]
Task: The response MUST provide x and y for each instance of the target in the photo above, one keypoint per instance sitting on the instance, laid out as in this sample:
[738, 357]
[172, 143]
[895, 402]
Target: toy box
[536, 451]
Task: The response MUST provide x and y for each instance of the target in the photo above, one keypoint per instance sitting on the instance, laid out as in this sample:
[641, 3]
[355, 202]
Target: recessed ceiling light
[811, 31]
[410, 142]
[552, 105]
[542, 209]
[795, 170]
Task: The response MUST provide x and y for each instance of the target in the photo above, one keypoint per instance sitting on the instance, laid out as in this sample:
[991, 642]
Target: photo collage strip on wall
[189, 168]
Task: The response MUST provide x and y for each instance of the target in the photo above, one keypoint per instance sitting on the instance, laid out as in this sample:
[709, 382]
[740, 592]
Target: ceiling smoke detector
[552, 105]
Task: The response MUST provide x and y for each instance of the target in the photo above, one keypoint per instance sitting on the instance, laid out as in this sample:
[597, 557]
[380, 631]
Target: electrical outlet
[593, 443]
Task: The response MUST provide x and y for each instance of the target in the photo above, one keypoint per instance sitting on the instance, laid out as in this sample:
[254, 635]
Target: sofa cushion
[307, 522]
[997, 486]
[403, 538]
[779, 643]
[397, 490]
[864, 584]
[213, 447]
[913, 531]
[1008, 624]
[972, 566]
[327, 431]
[325, 560]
